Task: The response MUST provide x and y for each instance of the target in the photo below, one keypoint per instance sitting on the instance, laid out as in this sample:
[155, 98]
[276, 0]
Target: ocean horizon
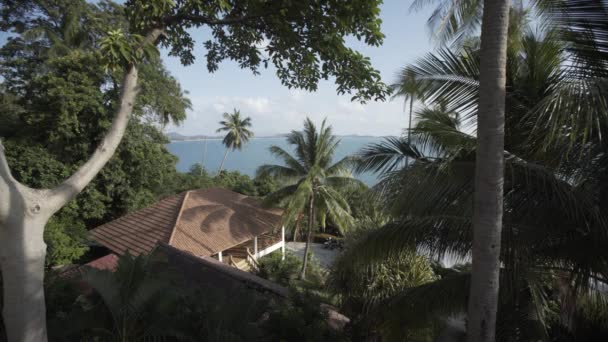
[209, 152]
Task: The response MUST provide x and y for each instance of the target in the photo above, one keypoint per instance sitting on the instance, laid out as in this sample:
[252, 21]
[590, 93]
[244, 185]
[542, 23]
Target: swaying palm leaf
[452, 20]
[310, 176]
[238, 133]
[552, 224]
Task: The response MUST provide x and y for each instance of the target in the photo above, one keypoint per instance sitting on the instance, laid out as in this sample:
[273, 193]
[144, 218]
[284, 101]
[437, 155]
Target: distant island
[174, 136]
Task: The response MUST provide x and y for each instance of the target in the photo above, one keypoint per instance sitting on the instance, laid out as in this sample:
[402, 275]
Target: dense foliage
[57, 102]
[286, 272]
[145, 299]
[553, 272]
[61, 72]
[360, 290]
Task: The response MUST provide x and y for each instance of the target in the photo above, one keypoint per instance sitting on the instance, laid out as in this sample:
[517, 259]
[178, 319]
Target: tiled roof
[108, 262]
[202, 222]
[216, 219]
[139, 231]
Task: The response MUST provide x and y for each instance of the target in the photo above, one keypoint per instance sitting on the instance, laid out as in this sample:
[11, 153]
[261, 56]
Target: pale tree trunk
[223, 160]
[24, 213]
[311, 225]
[489, 173]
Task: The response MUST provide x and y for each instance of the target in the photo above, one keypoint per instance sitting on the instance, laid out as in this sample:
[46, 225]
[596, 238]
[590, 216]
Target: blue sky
[275, 109]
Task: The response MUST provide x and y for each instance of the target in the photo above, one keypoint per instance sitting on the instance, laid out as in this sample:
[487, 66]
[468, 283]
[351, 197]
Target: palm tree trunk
[409, 128]
[204, 154]
[296, 229]
[489, 174]
[223, 160]
[311, 220]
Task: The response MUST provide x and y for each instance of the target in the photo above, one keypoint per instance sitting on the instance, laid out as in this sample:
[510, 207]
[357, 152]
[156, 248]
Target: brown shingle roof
[202, 222]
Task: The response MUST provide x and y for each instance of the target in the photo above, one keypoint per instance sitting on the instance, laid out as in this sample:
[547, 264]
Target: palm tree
[312, 181]
[489, 173]
[552, 204]
[238, 132]
[408, 87]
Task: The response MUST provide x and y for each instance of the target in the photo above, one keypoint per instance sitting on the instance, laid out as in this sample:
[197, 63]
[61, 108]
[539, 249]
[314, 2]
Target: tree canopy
[57, 102]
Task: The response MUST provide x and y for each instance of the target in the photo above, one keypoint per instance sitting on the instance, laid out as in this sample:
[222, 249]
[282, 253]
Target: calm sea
[254, 154]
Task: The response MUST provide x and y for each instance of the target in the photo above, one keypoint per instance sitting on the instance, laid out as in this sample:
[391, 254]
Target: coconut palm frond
[335, 207]
[280, 196]
[439, 132]
[452, 21]
[298, 200]
[425, 306]
[279, 172]
[342, 167]
[287, 159]
[451, 78]
[237, 128]
[386, 156]
[344, 183]
[408, 86]
[582, 25]
[585, 102]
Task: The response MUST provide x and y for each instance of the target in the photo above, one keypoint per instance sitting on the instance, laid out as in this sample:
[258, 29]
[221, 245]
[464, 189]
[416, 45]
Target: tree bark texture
[223, 161]
[489, 173]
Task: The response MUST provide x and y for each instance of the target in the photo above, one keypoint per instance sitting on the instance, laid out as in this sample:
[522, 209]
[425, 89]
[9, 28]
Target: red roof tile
[108, 262]
[203, 222]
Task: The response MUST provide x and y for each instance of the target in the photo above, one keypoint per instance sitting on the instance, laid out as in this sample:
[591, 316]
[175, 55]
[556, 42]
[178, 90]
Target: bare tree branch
[67, 190]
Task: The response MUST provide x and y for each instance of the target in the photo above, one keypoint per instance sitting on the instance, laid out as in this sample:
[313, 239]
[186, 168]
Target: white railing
[270, 249]
[251, 259]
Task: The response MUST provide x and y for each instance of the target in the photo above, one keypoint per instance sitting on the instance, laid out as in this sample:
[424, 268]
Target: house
[210, 273]
[211, 236]
[232, 228]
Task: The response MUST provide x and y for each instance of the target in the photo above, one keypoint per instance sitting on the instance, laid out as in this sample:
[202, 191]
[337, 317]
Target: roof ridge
[179, 215]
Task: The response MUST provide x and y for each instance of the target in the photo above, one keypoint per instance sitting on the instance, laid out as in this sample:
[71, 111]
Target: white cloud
[258, 104]
[349, 106]
[286, 111]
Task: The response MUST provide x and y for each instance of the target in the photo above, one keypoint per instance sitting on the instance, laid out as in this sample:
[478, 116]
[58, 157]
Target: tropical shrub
[365, 290]
[283, 272]
[301, 319]
[217, 315]
[286, 272]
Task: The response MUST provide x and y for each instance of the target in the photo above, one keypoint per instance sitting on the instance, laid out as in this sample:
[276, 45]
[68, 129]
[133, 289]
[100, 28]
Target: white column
[283, 241]
[255, 247]
[219, 256]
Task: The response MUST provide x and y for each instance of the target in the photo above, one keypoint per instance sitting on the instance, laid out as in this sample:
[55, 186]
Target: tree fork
[24, 213]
